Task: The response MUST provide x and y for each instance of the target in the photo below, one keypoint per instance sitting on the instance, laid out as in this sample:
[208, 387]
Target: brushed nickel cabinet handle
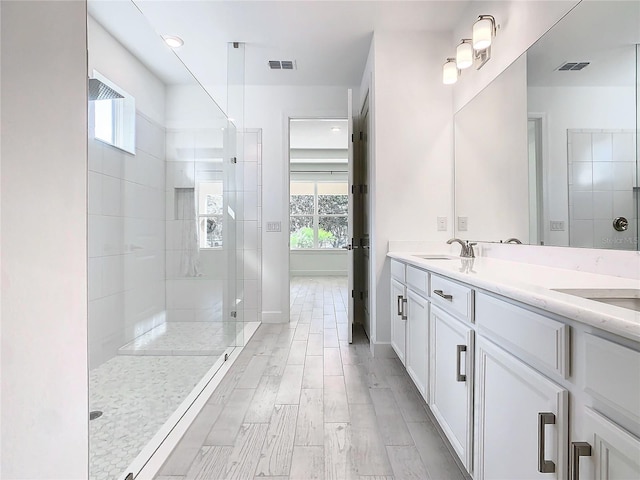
[440, 293]
[459, 376]
[404, 312]
[544, 419]
[399, 305]
[578, 449]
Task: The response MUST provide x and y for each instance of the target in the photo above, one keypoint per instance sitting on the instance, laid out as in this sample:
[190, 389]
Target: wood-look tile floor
[300, 402]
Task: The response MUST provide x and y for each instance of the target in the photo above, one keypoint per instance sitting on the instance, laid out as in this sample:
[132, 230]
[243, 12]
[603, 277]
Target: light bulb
[449, 72]
[483, 32]
[464, 55]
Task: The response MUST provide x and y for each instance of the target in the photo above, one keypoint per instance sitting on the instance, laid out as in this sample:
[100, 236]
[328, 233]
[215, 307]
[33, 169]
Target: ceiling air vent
[282, 64]
[572, 66]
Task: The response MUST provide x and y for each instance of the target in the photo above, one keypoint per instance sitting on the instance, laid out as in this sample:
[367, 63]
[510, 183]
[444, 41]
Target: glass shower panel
[162, 242]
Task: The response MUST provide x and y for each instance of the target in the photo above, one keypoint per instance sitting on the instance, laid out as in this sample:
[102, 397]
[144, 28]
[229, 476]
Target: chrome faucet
[467, 248]
[513, 240]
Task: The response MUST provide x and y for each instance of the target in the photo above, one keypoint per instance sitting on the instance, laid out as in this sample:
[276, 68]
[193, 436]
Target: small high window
[113, 112]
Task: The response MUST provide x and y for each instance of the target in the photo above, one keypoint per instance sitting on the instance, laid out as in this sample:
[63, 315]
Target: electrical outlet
[274, 226]
[556, 225]
[442, 224]
[462, 224]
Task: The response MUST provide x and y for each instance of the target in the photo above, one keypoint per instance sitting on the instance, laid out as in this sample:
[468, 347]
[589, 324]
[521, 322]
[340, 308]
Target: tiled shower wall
[126, 240]
[601, 187]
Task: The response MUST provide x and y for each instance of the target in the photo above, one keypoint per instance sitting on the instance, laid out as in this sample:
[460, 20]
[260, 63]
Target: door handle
[459, 376]
[578, 449]
[544, 419]
[440, 293]
[399, 305]
[404, 313]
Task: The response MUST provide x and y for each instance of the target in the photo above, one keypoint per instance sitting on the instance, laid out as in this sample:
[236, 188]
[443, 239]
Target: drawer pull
[404, 312]
[399, 305]
[544, 419]
[440, 293]
[578, 449]
[459, 376]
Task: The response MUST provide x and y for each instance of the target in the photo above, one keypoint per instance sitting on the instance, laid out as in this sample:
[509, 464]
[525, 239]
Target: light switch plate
[462, 224]
[274, 226]
[442, 224]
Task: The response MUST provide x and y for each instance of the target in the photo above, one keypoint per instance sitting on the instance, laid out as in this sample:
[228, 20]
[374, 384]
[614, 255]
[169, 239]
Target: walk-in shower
[172, 280]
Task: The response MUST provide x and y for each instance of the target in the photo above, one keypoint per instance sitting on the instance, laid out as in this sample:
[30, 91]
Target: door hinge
[353, 189]
[352, 138]
[234, 160]
[353, 294]
[234, 314]
[226, 357]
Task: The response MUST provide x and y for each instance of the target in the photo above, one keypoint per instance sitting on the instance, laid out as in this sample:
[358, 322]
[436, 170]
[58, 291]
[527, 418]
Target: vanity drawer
[536, 339]
[418, 280]
[612, 375]
[398, 270]
[453, 297]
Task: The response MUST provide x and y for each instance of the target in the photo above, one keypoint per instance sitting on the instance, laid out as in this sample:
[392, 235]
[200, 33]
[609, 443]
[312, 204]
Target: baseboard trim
[318, 273]
[274, 317]
[383, 350]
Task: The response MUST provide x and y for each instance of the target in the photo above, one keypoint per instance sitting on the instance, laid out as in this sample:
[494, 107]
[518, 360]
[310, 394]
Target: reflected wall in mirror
[579, 152]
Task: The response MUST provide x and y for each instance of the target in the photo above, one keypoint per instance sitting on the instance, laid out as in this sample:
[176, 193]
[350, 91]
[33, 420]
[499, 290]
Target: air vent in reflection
[573, 66]
[282, 64]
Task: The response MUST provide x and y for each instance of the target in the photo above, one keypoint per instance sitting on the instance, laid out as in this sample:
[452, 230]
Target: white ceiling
[603, 33]
[328, 40]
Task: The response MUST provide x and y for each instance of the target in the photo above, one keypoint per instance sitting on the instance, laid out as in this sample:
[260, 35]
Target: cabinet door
[521, 419]
[451, 374]
[611, 453]
[398, 320]
[417, 340]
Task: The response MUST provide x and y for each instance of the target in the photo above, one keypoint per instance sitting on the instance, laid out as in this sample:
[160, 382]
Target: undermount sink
[625, 298]
[434, 257]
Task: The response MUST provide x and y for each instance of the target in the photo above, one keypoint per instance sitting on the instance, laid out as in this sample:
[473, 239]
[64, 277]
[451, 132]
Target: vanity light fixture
[173, 41]
[464, 54]
[450, 72]
[483, 32]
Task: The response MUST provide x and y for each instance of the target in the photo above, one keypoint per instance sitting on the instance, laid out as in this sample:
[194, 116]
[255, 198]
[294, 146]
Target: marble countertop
[534, 284]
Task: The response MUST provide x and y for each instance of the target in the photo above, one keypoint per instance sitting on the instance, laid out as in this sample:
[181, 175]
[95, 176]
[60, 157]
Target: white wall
[521, 24]
[44, 403]
[270, 108]
[110, 58]
[126, 209]
[563, 108]
[412, 168]
[492, 165]
[318, 263]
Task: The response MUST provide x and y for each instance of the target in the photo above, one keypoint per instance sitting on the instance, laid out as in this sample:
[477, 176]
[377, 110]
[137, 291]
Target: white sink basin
[625, 298]
[435, 257]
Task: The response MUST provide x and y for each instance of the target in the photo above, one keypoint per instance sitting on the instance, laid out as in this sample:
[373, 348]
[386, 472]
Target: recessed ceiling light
[173, 41]
[335, 129]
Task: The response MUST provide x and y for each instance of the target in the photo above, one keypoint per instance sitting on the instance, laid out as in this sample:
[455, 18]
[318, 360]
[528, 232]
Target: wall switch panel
[274, 226]
[556, 225]
[462, 224]
[442, 224]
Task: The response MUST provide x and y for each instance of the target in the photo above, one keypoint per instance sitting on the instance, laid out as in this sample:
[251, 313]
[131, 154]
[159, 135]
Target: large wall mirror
[548, 153]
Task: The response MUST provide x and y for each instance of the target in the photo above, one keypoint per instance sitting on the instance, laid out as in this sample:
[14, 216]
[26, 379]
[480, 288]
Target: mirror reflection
[564, 171]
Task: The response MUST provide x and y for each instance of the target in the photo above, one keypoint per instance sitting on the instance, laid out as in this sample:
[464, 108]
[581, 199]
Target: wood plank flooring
[302, 403]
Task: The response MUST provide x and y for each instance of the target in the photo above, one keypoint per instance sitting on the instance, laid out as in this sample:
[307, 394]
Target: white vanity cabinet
[451, 380]
[398, 313]
[418, 340]
[398, 318]
[521, 429]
